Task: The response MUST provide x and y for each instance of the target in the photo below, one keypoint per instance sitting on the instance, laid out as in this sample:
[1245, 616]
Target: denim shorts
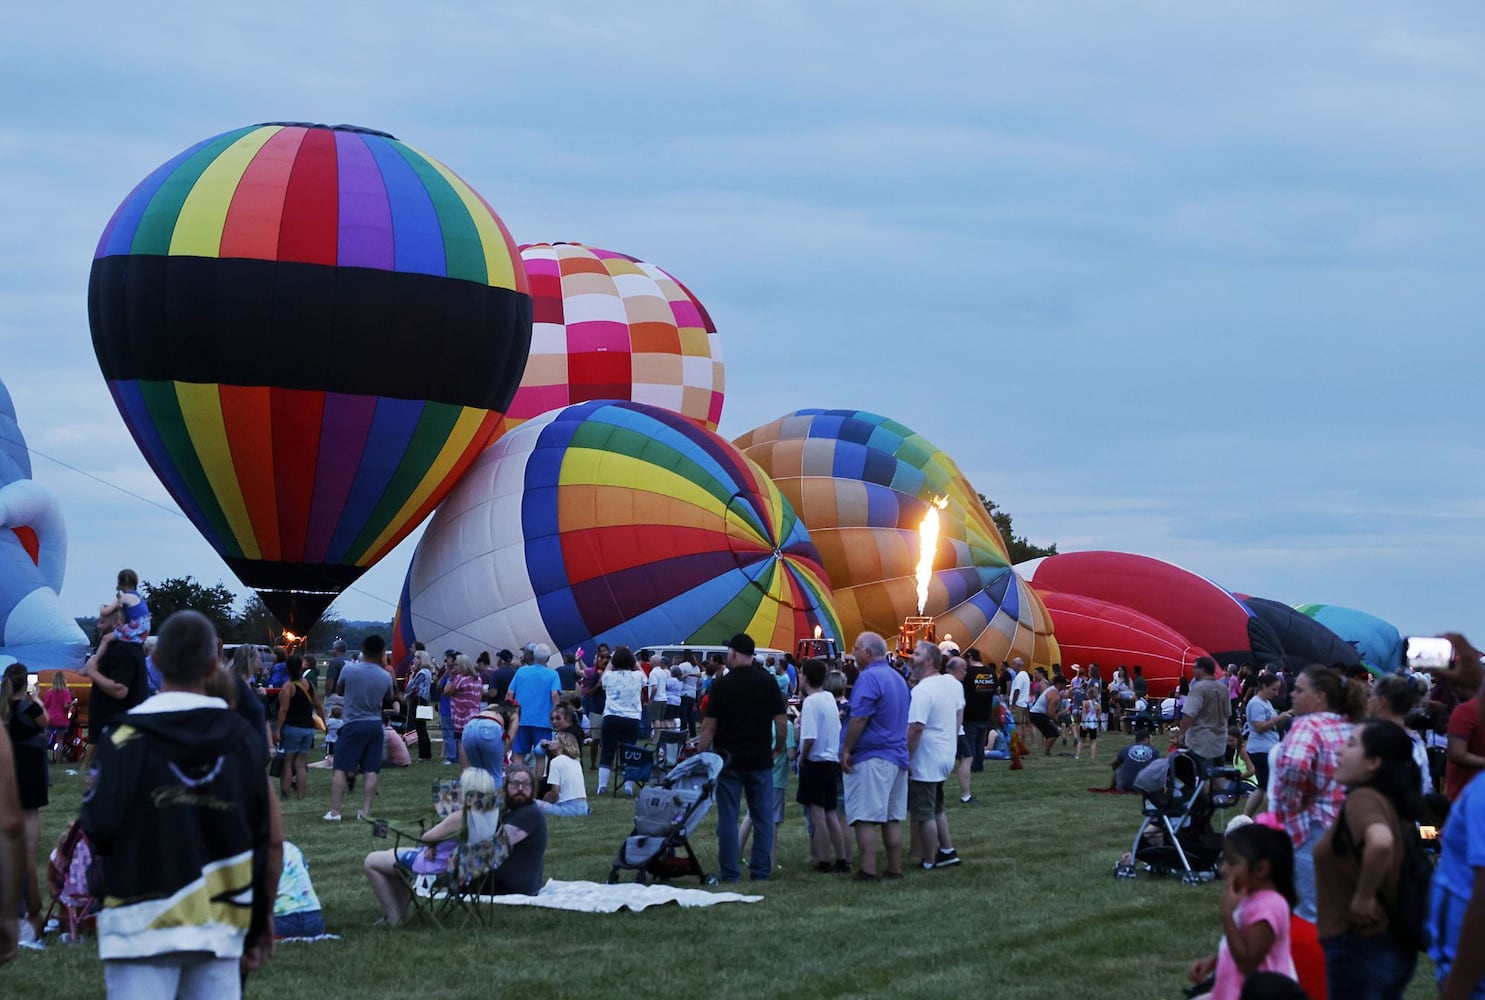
[360, 747]
[295, 739]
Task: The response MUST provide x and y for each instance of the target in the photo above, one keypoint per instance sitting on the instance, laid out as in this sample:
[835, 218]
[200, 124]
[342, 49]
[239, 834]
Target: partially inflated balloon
[863, 484]
[613, 522]
[1092, 632]
[1376, 641]
[609, 326]
[311, 332]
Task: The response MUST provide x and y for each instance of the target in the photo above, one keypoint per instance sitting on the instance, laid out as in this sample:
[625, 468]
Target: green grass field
[1034, 912]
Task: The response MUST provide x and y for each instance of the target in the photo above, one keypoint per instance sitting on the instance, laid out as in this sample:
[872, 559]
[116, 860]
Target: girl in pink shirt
[57, 700]
[1258, 894]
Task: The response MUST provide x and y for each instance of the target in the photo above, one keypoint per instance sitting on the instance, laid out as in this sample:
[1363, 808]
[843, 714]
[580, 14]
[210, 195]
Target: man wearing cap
[336, 664]
[503, 674]
[536, 688]
[743, 710]
[874, 758]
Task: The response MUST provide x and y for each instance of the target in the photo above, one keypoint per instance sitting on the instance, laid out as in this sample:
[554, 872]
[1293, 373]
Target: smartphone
[1428, 652]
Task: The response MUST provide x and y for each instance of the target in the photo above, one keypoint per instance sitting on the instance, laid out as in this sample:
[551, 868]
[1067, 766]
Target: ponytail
[1343, 697]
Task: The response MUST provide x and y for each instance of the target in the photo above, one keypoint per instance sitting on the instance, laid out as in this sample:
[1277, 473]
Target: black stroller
[1176, 834]
[665, 815]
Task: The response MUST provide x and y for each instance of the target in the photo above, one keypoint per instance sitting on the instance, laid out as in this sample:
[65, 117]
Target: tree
[179, 593]
[256, 624]
[1019, 548]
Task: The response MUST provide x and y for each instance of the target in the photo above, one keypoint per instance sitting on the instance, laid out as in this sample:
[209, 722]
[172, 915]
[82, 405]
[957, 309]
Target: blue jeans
[1304, 875]
[450, 741]
[484, 747]
[1367, 968]
[976, 733]
[758, 786]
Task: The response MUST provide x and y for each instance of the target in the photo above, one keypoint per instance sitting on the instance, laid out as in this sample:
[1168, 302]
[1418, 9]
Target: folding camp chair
[425, 886]
[636, 764]
[478, 854]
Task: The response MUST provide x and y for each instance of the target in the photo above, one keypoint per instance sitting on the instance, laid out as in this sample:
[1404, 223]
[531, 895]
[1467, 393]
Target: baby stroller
[1176, 833]
[665, 815]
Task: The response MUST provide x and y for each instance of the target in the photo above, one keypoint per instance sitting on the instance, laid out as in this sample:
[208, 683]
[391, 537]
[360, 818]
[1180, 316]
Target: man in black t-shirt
[523, 834]
[979, 703]
[120, 680]
[745, 724]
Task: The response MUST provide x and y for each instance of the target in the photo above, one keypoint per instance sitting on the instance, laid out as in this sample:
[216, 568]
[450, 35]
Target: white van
[673, 652]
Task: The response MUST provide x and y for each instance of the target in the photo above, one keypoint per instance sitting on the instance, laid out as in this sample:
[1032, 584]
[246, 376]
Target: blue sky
[1200, 281]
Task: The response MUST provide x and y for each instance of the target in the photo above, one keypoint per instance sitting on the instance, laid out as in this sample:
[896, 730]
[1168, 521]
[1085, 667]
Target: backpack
[1407, 918]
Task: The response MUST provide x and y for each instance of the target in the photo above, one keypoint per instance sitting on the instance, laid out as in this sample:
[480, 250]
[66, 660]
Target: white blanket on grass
[593, 897]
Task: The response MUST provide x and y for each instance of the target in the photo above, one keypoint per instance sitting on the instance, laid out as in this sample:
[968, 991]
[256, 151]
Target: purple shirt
[880, 696]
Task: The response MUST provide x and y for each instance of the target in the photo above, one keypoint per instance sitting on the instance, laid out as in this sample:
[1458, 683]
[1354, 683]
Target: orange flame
[927, 546]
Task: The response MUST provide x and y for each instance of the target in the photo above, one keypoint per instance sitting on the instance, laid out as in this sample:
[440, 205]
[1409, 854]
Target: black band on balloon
[314, 327]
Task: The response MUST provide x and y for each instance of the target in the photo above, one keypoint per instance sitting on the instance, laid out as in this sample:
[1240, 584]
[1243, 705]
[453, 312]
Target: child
[332, 731]
[57, 701]
[1092, 717]
[1257, 897]
[135, 626]
[782, 764]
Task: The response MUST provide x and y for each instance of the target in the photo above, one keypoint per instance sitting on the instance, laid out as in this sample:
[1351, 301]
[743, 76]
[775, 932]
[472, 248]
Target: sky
[1198, 281]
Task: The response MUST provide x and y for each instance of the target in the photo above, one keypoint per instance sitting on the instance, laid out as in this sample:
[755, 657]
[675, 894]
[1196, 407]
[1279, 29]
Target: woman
[420, 694]
[622, 683]
[479, 812]
[592, 692]
[27, 730]
[463, 688]
[1118, 689]
[1303, 794]
[249, 704]
[446, 708]
[1358, 860]
[1391, 699]
[296, 729]
[566, 794]
[1262, 726]
[487, 738]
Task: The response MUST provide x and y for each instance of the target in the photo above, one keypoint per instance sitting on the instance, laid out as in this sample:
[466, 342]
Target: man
[505, 672]
[1044, 712]
[567, 678]
[120, 681]
[1204, 716]
[150, 673]
[690, 692]
[335, 665]
[311, 672]
[522, 837]
[367, 689]
[874, 758]
[536, 688]
[659, 668]
[745, 709]
[1130, 760]
[1142, 687]
[1020, 693]
[958, 668]
[187, 831]
[979, 709]
[935, 709]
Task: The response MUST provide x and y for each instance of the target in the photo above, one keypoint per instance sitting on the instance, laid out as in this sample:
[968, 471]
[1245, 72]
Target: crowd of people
[1343, 770]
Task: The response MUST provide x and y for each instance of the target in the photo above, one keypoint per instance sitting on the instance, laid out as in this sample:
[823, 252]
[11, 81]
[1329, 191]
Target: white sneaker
[331, 817]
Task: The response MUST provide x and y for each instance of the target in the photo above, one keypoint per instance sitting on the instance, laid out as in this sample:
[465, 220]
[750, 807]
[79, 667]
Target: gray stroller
[665, 815]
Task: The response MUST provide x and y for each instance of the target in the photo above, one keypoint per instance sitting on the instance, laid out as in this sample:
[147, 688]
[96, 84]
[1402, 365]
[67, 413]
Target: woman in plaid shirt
[1303, 793]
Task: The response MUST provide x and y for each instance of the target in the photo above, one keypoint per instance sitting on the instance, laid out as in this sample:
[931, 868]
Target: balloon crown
[359, 129]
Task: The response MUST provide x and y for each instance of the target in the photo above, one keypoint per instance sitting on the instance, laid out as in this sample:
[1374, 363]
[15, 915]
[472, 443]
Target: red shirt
[1465, 725]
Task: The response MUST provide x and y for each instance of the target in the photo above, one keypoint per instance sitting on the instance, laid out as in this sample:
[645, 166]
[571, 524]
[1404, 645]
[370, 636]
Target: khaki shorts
[925, 800]
[876, 792]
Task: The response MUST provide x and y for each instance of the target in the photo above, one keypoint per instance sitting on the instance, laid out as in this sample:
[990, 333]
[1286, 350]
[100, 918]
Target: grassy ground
[1034, 912]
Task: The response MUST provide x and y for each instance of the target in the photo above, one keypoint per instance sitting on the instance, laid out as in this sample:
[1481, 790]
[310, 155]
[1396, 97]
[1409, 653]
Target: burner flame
[927, 546]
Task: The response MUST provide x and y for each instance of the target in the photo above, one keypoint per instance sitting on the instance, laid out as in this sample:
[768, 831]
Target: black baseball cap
[505, 656]
[742, 643]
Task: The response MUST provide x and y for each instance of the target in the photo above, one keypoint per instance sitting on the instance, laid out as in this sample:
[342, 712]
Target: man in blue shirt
[536, 688]
[874, 758]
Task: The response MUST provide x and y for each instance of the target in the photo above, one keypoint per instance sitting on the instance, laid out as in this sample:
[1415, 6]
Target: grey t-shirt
[1205, 718]
[366, 687]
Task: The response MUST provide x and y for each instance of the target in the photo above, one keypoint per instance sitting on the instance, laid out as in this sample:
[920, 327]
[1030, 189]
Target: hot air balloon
[33, 560]
[311, 331]
[1305, 641]
[1192, 605]
[1378, 642]
[864, 484]
[1111, 635]
[613, 522]
[609, 326]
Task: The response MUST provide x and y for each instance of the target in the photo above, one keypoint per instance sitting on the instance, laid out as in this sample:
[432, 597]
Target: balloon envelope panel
[613, 522]
[1305, 640]
[311, 332]
[1376, 640]
[1092, 631]
[609, 326]
[1192, 605]
[863, 483]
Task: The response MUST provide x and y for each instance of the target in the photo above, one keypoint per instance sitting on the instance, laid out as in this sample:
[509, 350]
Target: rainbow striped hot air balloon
[863, 484]
[311, 332]
[613, 522]
[609, 326]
